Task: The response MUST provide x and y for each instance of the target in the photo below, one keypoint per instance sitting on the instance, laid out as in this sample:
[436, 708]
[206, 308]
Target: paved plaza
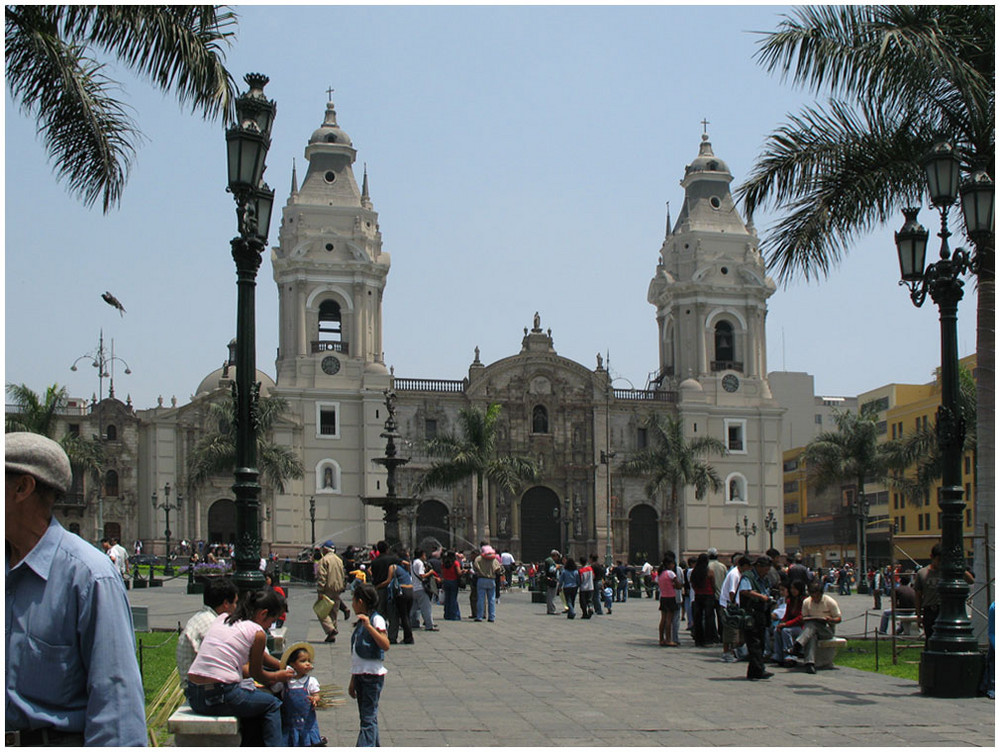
[534, 680]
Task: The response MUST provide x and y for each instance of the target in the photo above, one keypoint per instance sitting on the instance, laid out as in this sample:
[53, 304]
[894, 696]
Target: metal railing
[430, 385]
[341, 347]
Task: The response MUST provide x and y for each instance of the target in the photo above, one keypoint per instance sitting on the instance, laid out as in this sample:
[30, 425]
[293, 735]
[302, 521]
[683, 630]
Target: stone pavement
[534, 680]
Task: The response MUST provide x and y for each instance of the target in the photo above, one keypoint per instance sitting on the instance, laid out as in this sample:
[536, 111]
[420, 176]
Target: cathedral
[709, 292]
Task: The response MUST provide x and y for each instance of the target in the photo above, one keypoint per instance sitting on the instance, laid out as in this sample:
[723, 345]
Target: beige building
[709, 295]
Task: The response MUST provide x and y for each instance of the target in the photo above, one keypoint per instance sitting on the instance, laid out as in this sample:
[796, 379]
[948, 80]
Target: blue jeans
[232, 699]
[486, 593]
[368, 688]
[451, 610]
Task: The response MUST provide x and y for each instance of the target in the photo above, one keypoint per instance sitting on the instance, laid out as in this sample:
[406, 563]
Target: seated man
[820, 614]
[219, 597]
[905, 604]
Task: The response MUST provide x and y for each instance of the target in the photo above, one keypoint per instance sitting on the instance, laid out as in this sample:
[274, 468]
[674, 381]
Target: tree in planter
[473, 453]
[672, 462]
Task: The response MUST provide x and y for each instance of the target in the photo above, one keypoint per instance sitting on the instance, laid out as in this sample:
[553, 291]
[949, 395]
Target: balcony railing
[430, 385]
[645, 395]
[341, 347]
[74, 500]
[727, 365]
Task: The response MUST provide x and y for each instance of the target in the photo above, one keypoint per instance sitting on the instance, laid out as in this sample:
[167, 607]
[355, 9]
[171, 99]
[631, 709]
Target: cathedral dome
[690, 385]
[706, 161]
[222, 377]
[330, 132]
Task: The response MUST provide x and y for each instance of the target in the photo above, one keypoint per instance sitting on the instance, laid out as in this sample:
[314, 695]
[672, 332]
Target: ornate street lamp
[952, 664]
[247, 143]
[167, 507]
[860, 507]
[312, 521]
[771, 526]
[748, 529]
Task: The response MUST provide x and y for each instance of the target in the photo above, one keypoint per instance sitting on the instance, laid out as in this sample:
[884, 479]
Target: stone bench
[193, 730]
[826, 651]
[906, 623]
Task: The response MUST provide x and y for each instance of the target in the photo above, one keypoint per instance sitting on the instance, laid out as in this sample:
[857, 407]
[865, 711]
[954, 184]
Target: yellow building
[904, 409]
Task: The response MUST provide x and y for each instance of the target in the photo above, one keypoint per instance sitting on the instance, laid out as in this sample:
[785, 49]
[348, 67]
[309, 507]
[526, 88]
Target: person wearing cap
[330, 584]
[486, 567]
[72, 674]
[754, 597]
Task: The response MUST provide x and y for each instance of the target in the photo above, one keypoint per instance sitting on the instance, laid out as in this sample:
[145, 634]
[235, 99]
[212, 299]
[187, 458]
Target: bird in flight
[112, 301]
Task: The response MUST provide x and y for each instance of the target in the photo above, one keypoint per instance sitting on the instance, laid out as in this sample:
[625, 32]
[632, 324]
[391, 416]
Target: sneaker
[728, 658]
[332, 637]
[810, 668]
[797, 649]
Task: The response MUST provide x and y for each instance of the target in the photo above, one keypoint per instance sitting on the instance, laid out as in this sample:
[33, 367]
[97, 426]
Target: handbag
[323, 606]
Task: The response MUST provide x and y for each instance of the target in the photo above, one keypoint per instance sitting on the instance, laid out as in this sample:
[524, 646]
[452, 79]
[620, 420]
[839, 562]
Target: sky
[521, 159]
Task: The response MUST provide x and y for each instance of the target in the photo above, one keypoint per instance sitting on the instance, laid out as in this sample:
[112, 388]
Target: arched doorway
[432, 522]
[643, 535]
[539, 523]
[222, 521]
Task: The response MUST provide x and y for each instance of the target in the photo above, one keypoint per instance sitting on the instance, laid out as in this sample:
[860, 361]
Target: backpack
[363, 644]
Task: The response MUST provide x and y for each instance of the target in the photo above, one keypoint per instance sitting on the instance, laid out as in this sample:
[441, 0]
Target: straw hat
[310, 651]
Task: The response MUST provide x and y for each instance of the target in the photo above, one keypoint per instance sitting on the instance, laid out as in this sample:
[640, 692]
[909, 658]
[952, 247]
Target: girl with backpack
[369, 641]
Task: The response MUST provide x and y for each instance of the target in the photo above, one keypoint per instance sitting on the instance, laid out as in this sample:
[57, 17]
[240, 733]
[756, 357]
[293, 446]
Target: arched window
[111, 483]
[111, 432]
[725, 342]
[330, 325]
[736, 489]
[539, 419]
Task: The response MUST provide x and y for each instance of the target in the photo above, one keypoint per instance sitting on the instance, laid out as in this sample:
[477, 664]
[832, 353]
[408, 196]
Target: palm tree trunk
[675, 503]
[985, 485]
[482, 513]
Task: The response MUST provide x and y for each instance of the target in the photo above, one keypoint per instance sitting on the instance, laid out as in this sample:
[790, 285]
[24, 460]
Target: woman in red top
[790, 626]
[703, 629]
[450, 574]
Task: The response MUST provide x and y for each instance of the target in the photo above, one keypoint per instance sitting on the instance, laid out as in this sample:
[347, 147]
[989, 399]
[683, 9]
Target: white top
[225, 649]
[361, 665]
[308, 682]
[418, 569]
[729, 585]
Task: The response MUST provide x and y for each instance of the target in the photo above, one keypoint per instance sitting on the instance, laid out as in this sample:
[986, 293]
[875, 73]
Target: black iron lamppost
[247, 142]
[312, 521]
[167, 507]
[952, 664]
[771, 526]
[860, 506]
[748, 529]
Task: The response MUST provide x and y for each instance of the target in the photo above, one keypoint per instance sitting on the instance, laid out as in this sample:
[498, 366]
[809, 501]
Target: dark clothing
[798, 572]
[754, 635]
[379, 569]
[906, 598]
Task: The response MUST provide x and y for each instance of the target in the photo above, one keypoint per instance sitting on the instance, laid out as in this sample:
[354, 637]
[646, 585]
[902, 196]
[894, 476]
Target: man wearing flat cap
[72, 676]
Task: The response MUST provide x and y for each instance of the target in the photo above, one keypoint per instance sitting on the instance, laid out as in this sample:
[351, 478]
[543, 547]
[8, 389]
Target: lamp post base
[951, 674]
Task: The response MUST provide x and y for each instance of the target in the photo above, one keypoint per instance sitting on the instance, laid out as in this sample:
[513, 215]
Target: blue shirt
[569, 578]
[70, 645]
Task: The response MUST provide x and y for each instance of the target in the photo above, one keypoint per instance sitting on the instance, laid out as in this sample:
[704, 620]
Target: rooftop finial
[668, 219]
[329, 94]
[295, 179]
[704, 125]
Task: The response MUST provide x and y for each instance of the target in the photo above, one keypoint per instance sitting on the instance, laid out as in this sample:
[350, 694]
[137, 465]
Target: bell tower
[710, 288]
[329, 268]
[710, 291]
[330, 271]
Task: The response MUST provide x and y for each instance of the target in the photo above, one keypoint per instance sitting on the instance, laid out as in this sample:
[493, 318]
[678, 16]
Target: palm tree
[54, 76]
[673, 462]
[852, 453]
[898, 76]
[473, 453]
[34, 413]
[215, 453]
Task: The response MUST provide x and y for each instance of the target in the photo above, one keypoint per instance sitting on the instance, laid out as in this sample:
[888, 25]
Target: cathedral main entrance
[643, 535]
[432, 523]
[539, 523]
[222, 521]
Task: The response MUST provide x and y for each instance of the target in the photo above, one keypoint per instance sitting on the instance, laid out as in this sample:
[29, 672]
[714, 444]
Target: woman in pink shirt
[667, 582]
[215, 679]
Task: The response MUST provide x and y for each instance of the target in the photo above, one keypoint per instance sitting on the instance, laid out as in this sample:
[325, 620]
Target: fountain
[390, 504]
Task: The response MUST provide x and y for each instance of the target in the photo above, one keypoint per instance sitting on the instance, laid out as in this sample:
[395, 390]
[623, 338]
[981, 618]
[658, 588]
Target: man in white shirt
[731, 638]
[421, 600]
[220, 597]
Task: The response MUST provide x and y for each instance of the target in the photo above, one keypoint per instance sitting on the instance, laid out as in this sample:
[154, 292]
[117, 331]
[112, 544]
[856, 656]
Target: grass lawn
[860, 654]
[158, 660]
